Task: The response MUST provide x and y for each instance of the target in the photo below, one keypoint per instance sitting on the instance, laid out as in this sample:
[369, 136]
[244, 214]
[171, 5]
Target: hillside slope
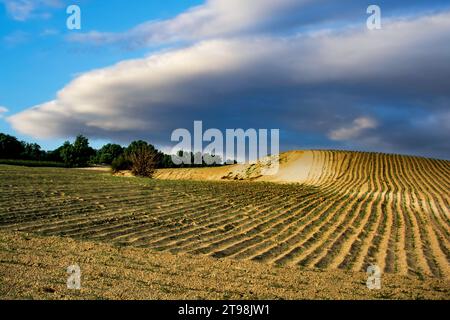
[394, 209]
[352, 210]
[317, 167]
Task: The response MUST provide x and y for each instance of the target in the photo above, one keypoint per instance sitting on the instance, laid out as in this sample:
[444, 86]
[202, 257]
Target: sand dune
[295, 166]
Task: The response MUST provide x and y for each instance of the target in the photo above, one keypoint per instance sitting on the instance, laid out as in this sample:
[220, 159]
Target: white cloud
[237, 18]
[22, 10]
[170, 79]
[354, 131]
[3, 110]
[222, 80]
[215, 18]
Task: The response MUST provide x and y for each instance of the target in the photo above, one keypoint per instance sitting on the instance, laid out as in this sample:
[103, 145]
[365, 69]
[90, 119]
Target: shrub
[144, 161]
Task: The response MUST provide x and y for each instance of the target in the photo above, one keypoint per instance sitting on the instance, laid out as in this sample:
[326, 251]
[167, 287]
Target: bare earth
[233, 233]
[34, 267]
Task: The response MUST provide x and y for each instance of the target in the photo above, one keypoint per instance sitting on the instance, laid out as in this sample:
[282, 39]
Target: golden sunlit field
[323, 219]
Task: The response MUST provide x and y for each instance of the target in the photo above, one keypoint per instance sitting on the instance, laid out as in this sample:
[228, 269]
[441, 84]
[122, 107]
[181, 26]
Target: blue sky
[310, 69]
[36, 61]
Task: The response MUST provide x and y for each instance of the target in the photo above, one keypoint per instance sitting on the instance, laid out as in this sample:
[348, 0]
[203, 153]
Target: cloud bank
[346, 88]
[230, 18]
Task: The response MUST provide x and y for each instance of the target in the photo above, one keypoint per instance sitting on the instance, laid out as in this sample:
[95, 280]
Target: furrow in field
[319, 250]
[248, 245]
[192, 243]
[438, 196]
[284, 245]
[142, 235]
[108, 231]
[418, 206]
[386, 255]
[95, 217]
[323, 256]
[267, 217]
[286, 228]
[73, 204]
[435, 257]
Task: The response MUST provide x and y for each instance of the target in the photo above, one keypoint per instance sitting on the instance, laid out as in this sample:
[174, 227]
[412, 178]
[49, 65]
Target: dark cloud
[236, 18]
[385, 90]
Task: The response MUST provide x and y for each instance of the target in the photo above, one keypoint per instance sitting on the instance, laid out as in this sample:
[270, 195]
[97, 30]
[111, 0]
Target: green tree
[10, 147]
[77, 154]
[32, 151]
[67, 154]
[54, 155]
[108, 153]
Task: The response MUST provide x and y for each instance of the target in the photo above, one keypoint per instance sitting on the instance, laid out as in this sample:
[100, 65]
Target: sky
[311, 68]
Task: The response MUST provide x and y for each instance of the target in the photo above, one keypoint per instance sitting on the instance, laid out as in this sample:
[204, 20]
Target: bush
[121, 163]
[144, 161]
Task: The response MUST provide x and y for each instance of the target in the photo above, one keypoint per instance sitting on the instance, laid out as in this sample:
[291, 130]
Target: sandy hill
[319, 167]
[398, 207]
[295, 166]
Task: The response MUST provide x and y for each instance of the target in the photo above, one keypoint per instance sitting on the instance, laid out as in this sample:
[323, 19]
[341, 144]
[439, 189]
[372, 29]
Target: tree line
[80, 154]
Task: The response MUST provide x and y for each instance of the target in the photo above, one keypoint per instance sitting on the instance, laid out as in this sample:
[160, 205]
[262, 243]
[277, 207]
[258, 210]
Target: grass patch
[32, 163]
